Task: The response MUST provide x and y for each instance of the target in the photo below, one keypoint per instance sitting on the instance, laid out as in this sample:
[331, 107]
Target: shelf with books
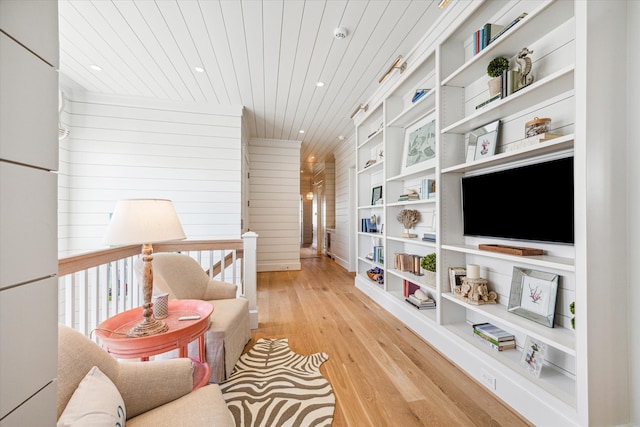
[538, 23]
[555, 145]
[545, 261]
[560, 338]
[551, 380]
[539, 91]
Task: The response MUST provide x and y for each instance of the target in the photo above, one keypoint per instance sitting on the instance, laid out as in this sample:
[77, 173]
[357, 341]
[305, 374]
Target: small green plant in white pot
[428, 264]
[496, 67]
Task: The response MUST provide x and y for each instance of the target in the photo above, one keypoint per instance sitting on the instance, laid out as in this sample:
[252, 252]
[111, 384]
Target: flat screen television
[530, 203]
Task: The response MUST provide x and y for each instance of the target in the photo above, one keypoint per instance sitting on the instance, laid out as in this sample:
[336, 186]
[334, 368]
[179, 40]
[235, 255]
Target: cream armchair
[157, 393]
[182, 277]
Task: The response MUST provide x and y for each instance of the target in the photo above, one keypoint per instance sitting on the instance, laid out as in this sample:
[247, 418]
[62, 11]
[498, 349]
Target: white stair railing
[98, 285]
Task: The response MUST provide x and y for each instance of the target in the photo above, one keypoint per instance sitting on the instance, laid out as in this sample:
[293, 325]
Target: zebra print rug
[273, 386]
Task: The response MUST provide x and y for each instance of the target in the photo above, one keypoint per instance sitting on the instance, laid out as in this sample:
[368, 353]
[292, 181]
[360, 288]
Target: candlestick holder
[475, 291]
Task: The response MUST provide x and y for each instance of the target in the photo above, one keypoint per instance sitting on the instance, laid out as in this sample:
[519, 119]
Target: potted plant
[496, 67]
[428, 264]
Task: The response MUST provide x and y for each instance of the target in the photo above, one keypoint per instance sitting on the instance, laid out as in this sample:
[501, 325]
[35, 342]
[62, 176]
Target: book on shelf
[367, 226]
[419, 94]
[532, 140]
[490, 30]
[378, 254]
[409, 288]
[403, 262]
[428, 189]
[509, 80]
[482, 36]
[509, 345]
[420, 300]
[408, 196]
[429, 237]
[490, 100]
[493, 332]
[507, 28]
[494, 341]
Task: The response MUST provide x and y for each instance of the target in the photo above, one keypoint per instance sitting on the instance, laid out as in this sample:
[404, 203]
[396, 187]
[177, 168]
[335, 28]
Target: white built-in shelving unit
[565, 393]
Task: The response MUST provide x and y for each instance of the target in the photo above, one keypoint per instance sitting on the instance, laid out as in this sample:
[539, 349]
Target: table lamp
[144, 221]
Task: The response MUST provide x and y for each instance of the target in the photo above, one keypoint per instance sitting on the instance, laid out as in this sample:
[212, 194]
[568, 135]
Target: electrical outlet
[488, 379]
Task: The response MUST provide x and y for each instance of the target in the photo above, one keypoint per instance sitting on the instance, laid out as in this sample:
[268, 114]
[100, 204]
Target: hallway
[381, 372]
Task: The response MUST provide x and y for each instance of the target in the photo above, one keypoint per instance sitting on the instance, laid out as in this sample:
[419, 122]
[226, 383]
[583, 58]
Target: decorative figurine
[524, 68]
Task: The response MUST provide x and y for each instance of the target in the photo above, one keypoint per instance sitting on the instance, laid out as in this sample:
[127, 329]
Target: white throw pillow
[96, 403]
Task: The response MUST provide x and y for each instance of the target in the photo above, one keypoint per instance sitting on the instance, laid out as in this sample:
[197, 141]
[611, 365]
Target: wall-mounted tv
[530, 203]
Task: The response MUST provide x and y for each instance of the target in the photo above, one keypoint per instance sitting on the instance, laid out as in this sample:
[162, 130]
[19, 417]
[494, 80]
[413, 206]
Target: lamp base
[148, 326]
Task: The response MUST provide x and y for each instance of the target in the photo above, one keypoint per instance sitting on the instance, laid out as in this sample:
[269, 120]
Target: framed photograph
[376, 195]
[455, 277]
[533, 295]
[483, 141]
[532, 357]
[419, 145]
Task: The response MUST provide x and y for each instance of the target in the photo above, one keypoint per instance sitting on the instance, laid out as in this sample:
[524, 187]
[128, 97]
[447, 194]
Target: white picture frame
[532, 357]
[483, 141]
[419, 145]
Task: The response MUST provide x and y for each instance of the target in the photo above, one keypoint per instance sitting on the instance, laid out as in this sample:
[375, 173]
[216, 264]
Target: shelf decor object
[495, 69]
[533, 295]
[483, 141]
[428, 264]
[474, 289]
[376, 195]
[511, 250]
[145, 221]
[524, 68]
[455, 278]
[532, 357]
[408, 218]
[419, 144]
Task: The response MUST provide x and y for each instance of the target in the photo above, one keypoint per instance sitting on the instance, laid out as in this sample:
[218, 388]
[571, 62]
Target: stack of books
[408, 196]
[421, 303]
[496, 338]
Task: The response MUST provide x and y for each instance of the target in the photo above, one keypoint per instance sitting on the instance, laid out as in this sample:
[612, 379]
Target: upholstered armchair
[156, 393]
[182, 277]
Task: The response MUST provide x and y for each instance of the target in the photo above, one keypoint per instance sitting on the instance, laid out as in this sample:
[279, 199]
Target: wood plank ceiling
[266, 55]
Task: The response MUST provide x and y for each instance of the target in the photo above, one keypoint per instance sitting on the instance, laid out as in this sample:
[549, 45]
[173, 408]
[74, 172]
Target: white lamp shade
[139, 221]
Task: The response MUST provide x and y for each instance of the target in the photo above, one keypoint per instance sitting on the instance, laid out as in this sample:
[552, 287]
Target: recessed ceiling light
[301, 131]
[320, 84]
[199, 69]
[341, 137]
[95, 67]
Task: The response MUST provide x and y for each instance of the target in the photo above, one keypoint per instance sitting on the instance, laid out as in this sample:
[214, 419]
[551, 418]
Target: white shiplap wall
[274, 208]
[343, 237]
[133, 148]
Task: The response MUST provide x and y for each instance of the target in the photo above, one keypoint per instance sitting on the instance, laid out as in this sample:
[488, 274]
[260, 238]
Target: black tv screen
[532, 203]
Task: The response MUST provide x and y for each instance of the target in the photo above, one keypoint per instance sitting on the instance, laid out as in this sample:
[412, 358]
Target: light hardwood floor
[382, 373]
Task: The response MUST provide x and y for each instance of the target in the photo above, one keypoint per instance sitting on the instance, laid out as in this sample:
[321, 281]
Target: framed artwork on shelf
[419, 144]
[376, 195]
[455, 277]
[533, 295]
[532, 357]
[483, 141]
